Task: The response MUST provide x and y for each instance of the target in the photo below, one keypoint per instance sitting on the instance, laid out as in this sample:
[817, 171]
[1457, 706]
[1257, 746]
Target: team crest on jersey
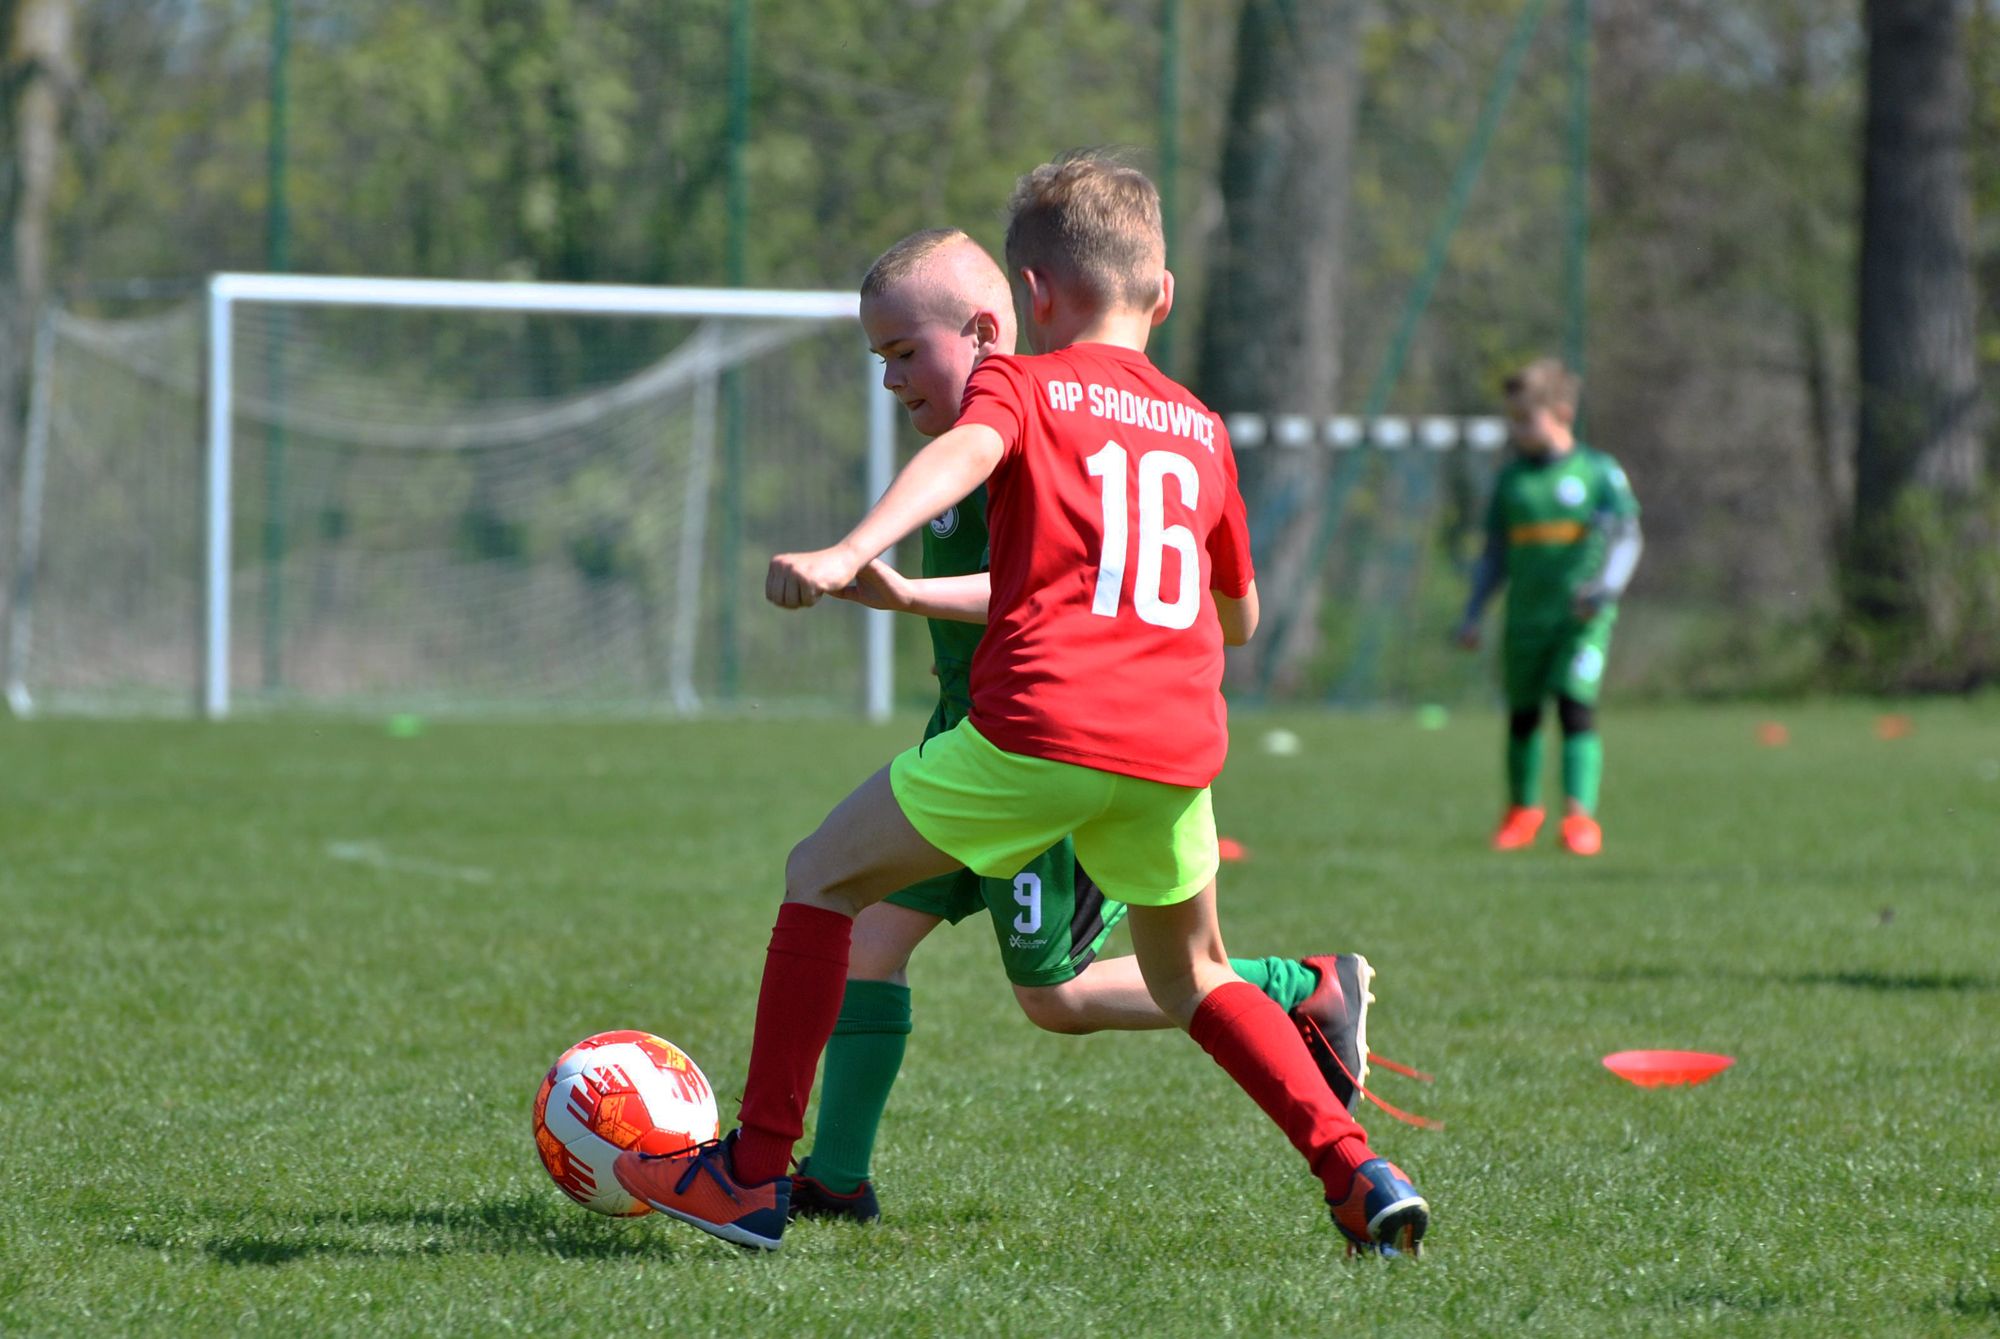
[945, 526]
[1569, 491]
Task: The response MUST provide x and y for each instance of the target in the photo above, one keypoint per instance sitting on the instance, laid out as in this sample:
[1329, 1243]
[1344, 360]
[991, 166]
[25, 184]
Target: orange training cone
[1657, 1069]
[1894, 726]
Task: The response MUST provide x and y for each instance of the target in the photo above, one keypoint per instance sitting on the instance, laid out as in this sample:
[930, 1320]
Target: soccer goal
[428, 496]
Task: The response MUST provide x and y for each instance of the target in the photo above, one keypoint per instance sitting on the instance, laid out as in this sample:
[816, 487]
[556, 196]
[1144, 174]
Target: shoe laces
[1407, 1117]
[706, 1155]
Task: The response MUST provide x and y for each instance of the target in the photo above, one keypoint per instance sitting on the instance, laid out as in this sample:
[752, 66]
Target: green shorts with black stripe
[1050, 919]
[1566, 660]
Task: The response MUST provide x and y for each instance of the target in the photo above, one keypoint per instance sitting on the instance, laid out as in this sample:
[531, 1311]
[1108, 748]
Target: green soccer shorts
[1564, 661]
[1051, 919]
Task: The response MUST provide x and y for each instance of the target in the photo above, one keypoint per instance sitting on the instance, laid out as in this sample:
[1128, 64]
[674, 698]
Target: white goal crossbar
[225, 291]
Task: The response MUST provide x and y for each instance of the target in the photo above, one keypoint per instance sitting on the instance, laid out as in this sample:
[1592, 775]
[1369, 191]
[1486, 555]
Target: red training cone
[1656, 1069]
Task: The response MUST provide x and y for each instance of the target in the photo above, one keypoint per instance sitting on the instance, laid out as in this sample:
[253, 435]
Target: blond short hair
[1091, 223]
[903, 260]
[1543, 384]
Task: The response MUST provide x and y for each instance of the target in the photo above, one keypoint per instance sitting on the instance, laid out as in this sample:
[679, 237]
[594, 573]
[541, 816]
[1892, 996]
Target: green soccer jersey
[1548, 515]
[955, 545]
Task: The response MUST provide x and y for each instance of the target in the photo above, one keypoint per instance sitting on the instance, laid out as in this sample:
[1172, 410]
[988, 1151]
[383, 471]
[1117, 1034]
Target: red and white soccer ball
[611, 1092]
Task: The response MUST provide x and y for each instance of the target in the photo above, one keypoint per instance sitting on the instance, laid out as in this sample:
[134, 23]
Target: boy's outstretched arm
[1489, 574]
[959, 599]
[1238, 615]
[939, 476]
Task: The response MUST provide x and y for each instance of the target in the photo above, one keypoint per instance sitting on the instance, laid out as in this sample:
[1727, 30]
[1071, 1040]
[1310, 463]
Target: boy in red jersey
[1116, 527]
[932, 306]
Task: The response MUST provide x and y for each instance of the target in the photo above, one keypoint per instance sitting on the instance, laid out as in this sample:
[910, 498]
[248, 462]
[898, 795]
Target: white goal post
[229, 292]
[422, 497]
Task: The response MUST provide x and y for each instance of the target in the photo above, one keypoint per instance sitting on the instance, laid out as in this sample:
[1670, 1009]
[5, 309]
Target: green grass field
[276, 996]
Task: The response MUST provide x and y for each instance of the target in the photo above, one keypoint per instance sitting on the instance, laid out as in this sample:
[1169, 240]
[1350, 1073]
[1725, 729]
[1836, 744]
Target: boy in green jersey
[1563, 533]
[932, 307]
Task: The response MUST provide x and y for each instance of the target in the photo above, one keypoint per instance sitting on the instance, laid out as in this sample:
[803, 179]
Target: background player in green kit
[932, 307]
[1562, 532]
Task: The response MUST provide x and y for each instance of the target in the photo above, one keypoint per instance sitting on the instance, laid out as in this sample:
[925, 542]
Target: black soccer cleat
[1334, 1022]
[811, 1199]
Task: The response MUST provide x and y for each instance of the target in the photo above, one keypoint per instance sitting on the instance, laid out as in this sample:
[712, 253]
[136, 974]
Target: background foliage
[586, 141]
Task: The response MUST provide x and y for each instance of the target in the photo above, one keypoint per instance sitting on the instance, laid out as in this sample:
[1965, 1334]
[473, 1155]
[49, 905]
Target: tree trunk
[1919, 428]
[1270, 334]
[36, 74]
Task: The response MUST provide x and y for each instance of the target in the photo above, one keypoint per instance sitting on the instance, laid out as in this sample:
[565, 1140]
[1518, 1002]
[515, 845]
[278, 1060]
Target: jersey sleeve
[1231, 570]
[1615, 493]
[1496, 515]
[998, 396]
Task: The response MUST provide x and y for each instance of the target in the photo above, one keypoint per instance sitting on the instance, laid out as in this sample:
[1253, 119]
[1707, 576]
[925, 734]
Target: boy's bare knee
[885, 935]
[878, 962]
[1055, 1008]
[806, 879]
[1175, 995]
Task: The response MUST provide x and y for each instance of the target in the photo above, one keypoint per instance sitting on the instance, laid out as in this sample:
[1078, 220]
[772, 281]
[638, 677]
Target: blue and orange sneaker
[1382, 1212]
[811, 1198]
[699, 1186]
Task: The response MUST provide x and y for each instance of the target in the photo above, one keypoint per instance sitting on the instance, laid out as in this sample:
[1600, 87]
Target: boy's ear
[985, 330]
[1166, 303]
[1041, 296]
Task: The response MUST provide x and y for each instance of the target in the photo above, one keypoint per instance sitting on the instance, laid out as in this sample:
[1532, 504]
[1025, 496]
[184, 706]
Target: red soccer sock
[805, 974]
[1260, 1048]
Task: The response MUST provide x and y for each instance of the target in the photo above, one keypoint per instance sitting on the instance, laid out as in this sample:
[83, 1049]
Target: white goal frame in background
[225, 291]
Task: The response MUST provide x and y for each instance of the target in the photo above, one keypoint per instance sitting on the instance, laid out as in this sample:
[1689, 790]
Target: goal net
[420, 496]
[1394, 521]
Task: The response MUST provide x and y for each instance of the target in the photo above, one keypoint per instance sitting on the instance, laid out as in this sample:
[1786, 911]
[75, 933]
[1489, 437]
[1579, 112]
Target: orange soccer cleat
[699, 1186]
[1581, 835]
[1518, 828]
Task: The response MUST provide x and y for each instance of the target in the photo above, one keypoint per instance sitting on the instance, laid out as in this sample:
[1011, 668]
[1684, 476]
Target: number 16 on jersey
[1156, 538]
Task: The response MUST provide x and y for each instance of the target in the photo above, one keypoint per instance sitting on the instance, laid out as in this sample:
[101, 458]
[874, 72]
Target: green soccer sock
[1583, 768]
[862, 1060]
[1524, 769]
[1286, 980]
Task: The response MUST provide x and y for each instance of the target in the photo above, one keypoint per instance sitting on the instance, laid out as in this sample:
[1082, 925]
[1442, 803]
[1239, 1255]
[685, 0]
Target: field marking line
[373, 855]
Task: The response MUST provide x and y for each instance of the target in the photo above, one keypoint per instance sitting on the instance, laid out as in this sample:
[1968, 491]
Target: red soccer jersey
[1112, 513]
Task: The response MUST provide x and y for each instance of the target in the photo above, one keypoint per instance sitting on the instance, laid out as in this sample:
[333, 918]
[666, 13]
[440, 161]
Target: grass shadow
[1746, 1300]
[515, 1225]
[1982, 1303]
[1951, 981]
[1962, 982]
